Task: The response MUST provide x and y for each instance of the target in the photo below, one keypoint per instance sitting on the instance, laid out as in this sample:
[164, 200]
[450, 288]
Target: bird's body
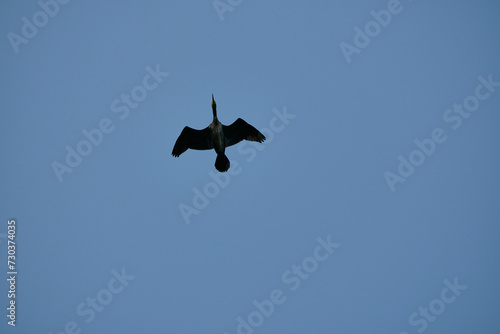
[218, 137]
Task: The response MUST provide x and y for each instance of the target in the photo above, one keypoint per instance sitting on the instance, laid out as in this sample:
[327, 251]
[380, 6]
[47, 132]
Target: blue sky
[372, 206]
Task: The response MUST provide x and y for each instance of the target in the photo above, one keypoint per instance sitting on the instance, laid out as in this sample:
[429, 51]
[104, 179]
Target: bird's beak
[213, 101]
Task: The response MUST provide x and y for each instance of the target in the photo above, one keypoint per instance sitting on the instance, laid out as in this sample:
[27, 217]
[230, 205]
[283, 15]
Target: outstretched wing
[240, 130]
[193, 139]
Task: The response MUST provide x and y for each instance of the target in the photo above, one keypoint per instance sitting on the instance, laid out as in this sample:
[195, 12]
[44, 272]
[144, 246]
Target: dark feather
[241, 130]
[193, 139]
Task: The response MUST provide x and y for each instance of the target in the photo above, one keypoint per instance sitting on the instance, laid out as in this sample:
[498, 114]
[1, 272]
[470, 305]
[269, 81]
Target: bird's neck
[214, 110]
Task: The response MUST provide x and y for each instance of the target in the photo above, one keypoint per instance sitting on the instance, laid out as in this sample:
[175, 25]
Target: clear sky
[371, 208]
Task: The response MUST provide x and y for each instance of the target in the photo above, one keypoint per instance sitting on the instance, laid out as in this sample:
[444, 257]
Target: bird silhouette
[217, 136]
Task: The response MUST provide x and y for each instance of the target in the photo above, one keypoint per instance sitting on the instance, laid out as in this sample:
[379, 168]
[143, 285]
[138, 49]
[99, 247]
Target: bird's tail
[222, 163]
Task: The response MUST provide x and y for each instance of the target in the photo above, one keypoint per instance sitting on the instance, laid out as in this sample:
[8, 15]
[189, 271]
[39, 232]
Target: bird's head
[214, 106]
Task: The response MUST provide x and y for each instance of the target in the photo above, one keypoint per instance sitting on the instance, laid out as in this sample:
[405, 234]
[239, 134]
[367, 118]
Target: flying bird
[217, 136]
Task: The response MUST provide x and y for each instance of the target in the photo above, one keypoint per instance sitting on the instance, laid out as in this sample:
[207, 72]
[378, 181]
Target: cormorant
[217, 136]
